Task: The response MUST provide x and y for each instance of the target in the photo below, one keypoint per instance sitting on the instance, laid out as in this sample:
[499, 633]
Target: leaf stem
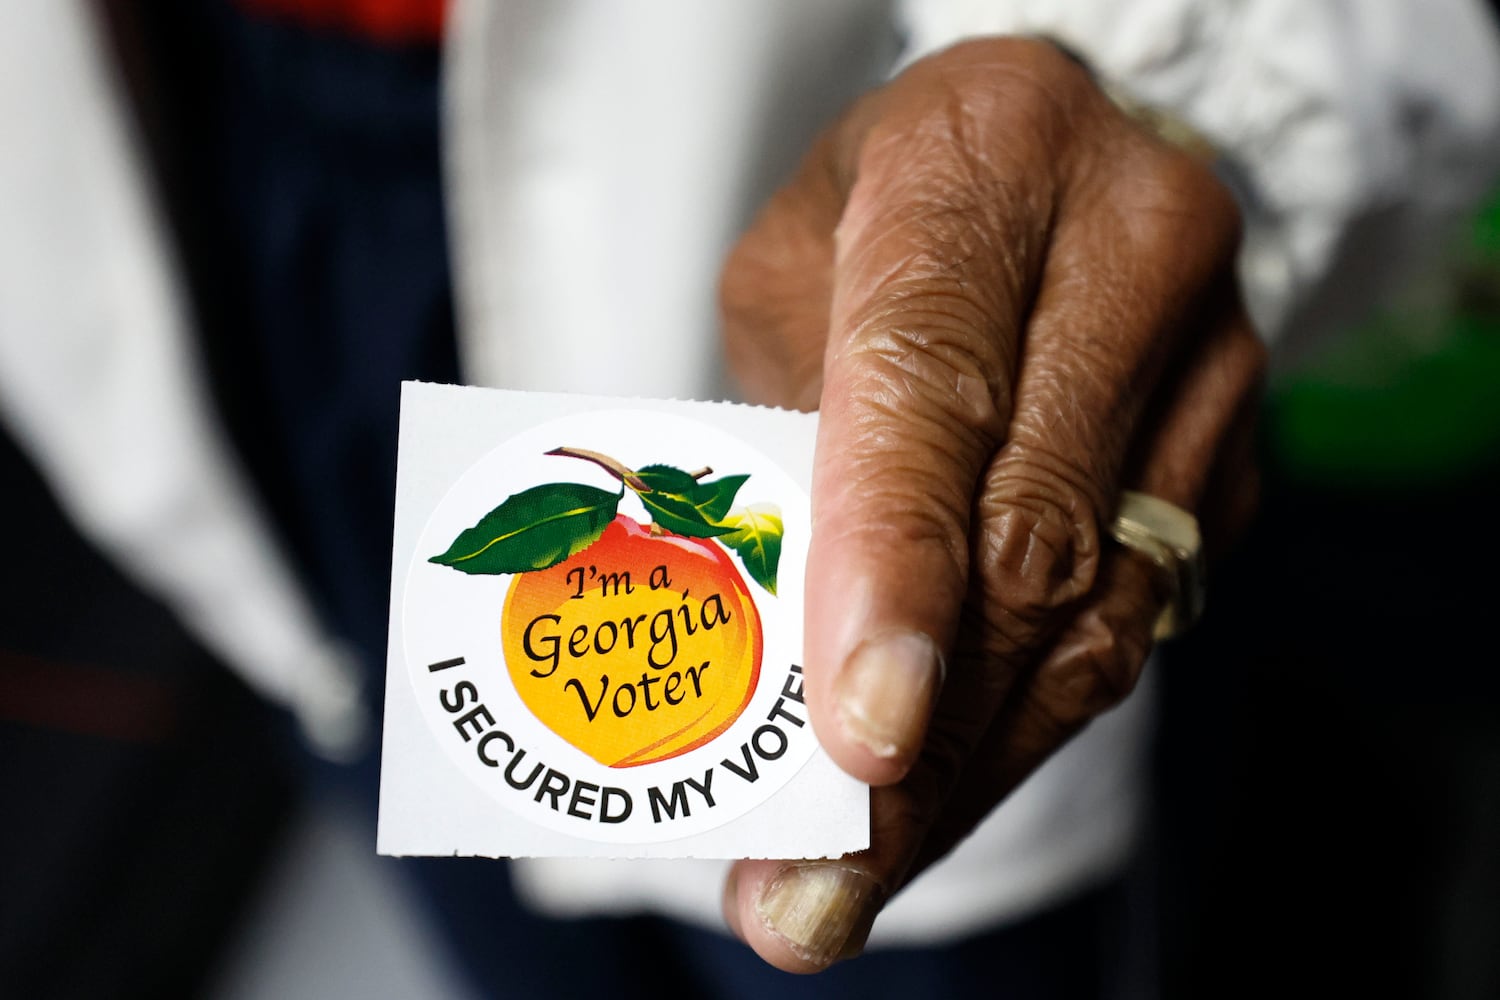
[614, 468]
[707, 470]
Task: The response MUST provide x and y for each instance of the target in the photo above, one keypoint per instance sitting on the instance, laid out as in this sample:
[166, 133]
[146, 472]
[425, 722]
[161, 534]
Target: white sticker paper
[596, 633]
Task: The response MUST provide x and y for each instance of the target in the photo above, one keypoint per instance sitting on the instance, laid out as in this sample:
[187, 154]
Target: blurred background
[1329, 761]
[1327, 771]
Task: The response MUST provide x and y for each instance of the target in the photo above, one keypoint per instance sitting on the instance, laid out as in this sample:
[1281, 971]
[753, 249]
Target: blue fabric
[329, 187]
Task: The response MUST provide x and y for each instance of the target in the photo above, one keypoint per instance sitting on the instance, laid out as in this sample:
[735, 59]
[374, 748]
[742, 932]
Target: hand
[1010, 302]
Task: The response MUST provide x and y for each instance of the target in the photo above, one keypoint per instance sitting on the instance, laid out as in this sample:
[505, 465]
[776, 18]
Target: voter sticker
[597, 626]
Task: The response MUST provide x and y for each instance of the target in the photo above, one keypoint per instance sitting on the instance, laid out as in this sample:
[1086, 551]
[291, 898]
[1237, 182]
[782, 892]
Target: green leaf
[667, 479]
[678, 502]
[534, 529]
[717, 497]
[755, 536]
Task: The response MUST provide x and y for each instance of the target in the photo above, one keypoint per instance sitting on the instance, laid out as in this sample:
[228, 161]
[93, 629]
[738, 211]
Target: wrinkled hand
[1010, 302]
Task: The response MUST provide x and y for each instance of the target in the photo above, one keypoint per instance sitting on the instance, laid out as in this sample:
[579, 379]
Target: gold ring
[1168, 536]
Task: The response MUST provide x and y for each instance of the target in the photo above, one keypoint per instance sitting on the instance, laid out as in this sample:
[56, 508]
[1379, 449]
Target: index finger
[925, 328]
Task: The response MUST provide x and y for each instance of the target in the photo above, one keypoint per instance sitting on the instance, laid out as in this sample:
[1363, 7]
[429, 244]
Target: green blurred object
[1410, 399]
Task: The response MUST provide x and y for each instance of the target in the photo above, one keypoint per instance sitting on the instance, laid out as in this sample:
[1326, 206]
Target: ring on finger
[1168, 536]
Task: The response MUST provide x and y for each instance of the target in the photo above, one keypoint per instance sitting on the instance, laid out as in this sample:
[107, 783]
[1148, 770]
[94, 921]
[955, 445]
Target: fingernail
[886, 691]
[822, 911]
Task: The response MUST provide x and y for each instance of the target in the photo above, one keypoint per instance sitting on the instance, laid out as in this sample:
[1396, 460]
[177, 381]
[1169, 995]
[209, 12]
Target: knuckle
[742, 280]
[935, 183]
[1030, 565]
[773, 317]
[1095, 664]
[1038, 542]
[1019, 76]
[776, 267]
[923, 358]
[952, 177]
[1182, 210]
[1090, 674]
